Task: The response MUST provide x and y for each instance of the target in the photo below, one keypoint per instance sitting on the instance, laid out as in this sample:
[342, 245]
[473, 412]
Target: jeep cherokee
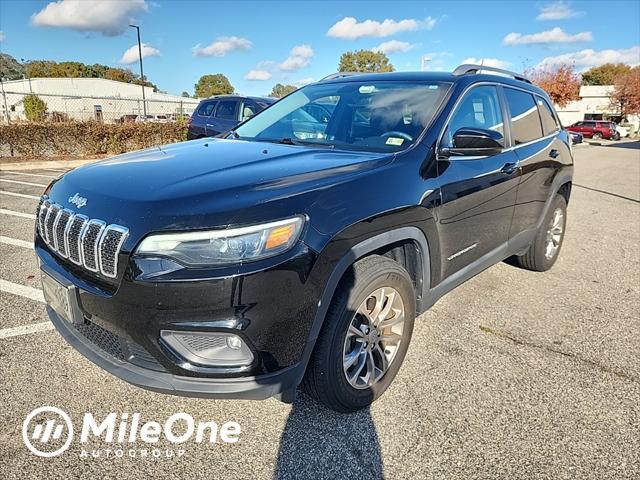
[299, 248]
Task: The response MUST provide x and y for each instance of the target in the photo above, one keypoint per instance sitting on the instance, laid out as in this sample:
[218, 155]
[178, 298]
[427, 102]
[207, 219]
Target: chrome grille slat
[89, 243]
[59, 227]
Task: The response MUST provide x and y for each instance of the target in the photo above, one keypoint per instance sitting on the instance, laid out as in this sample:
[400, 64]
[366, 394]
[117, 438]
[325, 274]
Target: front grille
[90, 243]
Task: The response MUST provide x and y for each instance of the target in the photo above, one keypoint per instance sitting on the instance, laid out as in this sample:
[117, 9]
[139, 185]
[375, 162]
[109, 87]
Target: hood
[205, 183]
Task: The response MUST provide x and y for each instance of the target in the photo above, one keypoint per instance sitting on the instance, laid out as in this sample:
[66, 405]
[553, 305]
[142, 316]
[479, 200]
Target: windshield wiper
[288, 141]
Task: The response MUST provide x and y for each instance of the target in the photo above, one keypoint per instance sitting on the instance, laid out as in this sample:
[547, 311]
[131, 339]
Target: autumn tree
[279, 90]
[365, 61]
[625, 98]
[561, 83]
[606, 74]
[210, 85]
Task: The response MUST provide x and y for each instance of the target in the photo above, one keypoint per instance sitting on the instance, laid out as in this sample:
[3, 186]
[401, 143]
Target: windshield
[371, 116]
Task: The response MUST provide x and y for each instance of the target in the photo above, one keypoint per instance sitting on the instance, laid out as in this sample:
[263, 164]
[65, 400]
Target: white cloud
[393, 46]
[299, 57]
[257, 75]
[588, 58]
[488, 62]
[350, 29]
[107, 17]
[221, 46]
[555, 35]
[2, 36]
[557, 11]
[131, 55]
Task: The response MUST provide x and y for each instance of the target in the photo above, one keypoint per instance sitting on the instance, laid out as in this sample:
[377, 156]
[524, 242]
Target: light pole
[424, 61]
[144, 101]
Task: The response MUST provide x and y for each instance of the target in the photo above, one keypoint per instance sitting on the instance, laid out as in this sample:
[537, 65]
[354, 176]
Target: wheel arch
[405, 244]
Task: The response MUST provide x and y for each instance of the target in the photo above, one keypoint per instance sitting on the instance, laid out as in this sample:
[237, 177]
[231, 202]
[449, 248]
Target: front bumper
[280, 384]
[270, 306]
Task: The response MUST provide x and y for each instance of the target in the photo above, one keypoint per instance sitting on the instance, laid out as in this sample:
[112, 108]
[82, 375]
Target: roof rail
[472, 68]
[333, 76]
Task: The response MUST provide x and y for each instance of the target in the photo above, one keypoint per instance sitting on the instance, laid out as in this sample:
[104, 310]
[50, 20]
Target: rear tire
[544, 250]
[597, 136]
[360, 347]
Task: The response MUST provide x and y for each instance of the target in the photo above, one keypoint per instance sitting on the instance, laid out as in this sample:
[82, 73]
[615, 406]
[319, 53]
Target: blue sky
[257, 44]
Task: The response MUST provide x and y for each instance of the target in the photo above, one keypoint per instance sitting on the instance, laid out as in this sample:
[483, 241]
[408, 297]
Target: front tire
[365, 336]
[544, 250]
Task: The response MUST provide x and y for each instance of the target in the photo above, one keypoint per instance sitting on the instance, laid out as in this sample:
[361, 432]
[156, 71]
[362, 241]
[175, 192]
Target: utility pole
[144, 100]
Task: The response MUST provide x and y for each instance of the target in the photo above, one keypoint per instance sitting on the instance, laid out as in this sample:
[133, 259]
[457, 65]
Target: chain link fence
[105, 109]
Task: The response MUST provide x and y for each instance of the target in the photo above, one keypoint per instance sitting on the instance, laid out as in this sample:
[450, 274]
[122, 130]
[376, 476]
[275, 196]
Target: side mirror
[474, 142]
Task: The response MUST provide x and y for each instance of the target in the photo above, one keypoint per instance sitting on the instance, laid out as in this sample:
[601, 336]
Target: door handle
[554, 153]
[509, 168]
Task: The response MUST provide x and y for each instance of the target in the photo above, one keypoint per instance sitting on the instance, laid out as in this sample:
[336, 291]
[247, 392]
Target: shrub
[34, 108]
[41, 139]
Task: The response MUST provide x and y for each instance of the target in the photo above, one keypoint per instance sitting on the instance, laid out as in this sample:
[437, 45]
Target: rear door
[224, 118]
[534, 132]
[201, 117]
[478, 193]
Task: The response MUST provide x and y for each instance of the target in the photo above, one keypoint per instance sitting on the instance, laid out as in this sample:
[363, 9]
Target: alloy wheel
[373, 337]
[554, 233]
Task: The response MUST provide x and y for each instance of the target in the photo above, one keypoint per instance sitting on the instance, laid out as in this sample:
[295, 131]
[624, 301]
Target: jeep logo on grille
[78, 201]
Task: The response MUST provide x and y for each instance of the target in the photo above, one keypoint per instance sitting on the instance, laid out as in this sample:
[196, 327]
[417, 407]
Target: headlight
[221, 247]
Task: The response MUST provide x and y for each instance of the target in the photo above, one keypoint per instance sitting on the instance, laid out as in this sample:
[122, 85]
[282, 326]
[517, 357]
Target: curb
[31, 165]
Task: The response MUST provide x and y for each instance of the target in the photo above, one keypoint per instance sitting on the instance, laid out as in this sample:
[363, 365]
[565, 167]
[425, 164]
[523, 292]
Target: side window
[525, 120]
[480, 108]
[247, 110]
[226, 110]
[206, 109]
[549, 124]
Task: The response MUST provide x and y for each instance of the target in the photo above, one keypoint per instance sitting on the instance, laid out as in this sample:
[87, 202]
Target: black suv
[300, 248]
[218, 114]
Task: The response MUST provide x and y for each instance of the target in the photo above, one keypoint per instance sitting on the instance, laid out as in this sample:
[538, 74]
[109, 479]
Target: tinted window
[226, 110]
[549, 124]
[480, 108]
[206, 109]
[524, 116]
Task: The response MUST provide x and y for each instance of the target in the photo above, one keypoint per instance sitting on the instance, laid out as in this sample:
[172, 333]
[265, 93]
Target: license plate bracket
[62, 298]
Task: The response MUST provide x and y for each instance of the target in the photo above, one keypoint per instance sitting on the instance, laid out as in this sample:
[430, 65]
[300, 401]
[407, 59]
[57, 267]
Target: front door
[478, 193]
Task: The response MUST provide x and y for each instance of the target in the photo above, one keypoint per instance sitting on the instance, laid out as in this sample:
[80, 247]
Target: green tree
[69, 70]
[210, 85]
[34, 108]
[39, 68]
[606, 74]
[10, 68]
[185, 95]
[365, 61]
[279, 90]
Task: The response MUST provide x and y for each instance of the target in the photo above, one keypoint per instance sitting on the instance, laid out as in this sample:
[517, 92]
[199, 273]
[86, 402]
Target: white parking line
[22, 290]
[15, 242]
[26, 329]
[23, 195]
[23, 183]
[18, 214]
[30, 174]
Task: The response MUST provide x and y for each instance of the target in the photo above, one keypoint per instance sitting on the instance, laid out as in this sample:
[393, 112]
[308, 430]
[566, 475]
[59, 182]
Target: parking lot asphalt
[513, 375]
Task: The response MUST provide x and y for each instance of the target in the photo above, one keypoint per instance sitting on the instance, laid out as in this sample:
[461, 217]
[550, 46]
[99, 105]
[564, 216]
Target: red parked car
[595, 129]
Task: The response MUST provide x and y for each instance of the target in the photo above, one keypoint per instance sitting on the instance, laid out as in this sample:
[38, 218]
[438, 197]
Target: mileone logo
[48, 431]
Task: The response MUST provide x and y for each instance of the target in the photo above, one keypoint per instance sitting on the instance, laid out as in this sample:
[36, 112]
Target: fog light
[212, 349]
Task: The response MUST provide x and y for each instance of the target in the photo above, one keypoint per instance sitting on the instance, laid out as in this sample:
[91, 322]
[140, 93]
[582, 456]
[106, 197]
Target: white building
[594, 104]
[89, 99]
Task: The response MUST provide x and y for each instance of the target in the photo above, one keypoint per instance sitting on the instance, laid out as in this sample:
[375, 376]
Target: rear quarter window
[525, 120]
[549, 123]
